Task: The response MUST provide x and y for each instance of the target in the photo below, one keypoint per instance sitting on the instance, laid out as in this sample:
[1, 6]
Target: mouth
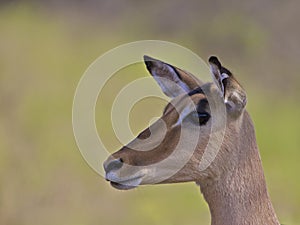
[121, 186]
[127, 184]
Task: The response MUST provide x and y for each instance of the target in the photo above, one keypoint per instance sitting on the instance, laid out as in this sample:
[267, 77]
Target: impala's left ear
[172, 80]
[233, 93]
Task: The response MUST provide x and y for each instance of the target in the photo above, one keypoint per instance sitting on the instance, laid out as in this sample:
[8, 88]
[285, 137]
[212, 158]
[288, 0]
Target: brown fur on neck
[238, 196]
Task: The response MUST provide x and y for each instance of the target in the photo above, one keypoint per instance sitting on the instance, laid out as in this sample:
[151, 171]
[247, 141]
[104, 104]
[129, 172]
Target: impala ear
[172, 80]
[233, 93]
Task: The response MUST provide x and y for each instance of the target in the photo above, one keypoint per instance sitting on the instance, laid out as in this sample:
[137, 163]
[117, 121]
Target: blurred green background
[45, 47]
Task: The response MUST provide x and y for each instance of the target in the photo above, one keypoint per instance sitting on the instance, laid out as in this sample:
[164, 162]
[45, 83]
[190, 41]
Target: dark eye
[200, 117]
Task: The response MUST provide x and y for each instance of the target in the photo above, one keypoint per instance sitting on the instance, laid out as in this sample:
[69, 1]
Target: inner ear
[233, 93]
[220, 74]
[172, 80]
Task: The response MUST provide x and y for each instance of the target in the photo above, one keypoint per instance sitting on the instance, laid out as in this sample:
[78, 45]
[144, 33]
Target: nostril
[114, 164]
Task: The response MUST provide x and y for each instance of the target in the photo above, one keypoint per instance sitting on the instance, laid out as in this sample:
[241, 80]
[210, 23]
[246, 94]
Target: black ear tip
[214, 60]
[148, 61]
[147, 58]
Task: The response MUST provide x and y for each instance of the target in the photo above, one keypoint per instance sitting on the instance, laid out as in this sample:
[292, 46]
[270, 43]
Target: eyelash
[200, 117]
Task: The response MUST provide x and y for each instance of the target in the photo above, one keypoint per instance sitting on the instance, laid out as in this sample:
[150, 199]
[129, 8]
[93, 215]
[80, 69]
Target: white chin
[127, 184]
[121, 186]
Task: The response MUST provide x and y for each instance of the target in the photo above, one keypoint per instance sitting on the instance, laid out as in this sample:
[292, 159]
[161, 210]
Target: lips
[126, 184]
[121, 186]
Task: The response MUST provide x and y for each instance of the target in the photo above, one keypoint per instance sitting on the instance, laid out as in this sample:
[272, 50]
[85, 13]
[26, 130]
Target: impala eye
[200, 117]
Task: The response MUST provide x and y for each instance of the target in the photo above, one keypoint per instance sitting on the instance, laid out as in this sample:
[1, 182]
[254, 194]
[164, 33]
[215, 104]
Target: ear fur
[172, 80]
[233, 93]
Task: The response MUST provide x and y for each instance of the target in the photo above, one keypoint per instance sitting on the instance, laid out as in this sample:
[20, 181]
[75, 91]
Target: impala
[232, 180]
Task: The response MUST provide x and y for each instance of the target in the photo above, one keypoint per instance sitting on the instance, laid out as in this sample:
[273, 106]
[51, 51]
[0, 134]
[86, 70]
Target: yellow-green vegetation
[43, 54]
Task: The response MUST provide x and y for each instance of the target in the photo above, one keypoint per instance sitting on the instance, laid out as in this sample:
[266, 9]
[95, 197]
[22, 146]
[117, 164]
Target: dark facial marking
[202, 104]
[196, 91]
[202, 114]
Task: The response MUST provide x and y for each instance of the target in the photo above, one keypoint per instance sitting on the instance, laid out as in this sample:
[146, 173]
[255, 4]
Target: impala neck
[239, 196]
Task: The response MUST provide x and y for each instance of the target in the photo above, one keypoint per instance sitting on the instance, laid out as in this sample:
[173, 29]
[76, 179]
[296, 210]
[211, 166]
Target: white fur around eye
[182, 115]
[195, 117]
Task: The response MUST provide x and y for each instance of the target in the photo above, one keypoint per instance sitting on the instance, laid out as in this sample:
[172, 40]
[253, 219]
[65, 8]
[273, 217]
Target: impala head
[172, 148]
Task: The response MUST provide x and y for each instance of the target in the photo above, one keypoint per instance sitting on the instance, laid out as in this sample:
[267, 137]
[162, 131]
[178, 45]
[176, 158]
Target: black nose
[113, 164]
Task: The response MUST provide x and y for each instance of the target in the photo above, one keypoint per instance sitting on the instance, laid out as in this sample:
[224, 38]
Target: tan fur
[233, 184]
